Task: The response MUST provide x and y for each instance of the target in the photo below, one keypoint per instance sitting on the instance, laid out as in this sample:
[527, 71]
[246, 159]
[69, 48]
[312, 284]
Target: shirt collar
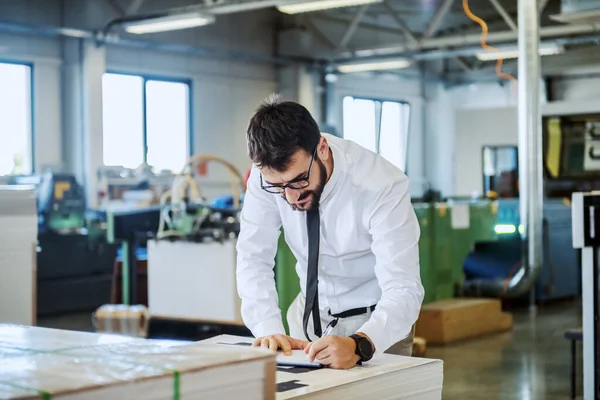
[338, 164]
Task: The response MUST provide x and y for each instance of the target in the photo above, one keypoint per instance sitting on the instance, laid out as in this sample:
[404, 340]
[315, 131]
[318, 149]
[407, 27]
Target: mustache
[305, 195]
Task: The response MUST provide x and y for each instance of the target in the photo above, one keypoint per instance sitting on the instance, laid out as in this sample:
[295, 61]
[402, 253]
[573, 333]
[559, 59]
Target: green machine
[286, 278]
[449, 231]
[61, 203]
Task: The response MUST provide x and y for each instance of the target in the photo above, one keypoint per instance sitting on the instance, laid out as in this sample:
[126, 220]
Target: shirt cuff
[272, 326]
[375, 330]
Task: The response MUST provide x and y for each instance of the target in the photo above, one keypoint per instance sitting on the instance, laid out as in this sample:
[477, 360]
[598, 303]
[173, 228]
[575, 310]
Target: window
[15, 120]
[379, 126]
[145, 121]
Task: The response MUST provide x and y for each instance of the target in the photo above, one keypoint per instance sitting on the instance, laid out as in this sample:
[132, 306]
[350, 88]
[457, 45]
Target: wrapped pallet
[39, 363]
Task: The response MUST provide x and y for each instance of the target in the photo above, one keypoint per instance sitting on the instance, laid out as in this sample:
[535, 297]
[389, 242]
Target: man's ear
[323, 149]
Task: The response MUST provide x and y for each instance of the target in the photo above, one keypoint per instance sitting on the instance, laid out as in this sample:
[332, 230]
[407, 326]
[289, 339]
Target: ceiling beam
[318, 34]
[116, 7]
[435, 21]
[363, 25]
[134, 6]
[401, 24]
[547, 32]
[463, 64]
[353, 25]
[509, 21]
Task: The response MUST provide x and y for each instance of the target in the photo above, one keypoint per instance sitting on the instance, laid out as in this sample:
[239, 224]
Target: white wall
[443, 106]
[388, 88]
[480, 119]
[574, 88]
[474, 130]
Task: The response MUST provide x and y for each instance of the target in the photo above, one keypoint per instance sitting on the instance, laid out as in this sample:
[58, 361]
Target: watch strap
[358, 339]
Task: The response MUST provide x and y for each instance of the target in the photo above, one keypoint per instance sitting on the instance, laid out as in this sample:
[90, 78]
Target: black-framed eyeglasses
[296, 184]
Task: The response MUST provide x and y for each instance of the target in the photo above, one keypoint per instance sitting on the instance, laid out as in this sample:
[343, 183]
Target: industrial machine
[74, 261]
[586, 229]
[571, 161]
[120, 187]
[192, 258]
[189, 215]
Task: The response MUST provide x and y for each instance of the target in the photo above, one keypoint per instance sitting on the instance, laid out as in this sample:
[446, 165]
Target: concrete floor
[530, 362]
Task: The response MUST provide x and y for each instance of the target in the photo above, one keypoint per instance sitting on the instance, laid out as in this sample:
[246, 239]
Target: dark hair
[277, 130]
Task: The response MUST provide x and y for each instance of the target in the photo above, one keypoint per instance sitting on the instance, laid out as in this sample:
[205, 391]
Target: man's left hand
[334, 351]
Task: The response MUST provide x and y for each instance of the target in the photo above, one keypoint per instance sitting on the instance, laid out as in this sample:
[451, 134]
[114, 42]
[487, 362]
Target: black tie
[312, 275]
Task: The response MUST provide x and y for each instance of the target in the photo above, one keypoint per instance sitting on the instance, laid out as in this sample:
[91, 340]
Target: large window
[15, 120]
[145, 121]
[380, 126]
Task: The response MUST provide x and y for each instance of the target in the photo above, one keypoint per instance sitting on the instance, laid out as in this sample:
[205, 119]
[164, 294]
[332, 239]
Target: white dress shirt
[368, 248]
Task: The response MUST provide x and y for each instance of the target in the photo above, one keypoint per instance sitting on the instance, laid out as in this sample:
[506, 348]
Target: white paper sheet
[461, 216]
[296, 359]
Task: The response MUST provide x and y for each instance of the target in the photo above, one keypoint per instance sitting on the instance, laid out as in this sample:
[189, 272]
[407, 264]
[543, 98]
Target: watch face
[365, 348]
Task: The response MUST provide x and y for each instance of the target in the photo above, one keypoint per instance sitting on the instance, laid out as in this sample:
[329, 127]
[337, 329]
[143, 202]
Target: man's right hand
[283, 342]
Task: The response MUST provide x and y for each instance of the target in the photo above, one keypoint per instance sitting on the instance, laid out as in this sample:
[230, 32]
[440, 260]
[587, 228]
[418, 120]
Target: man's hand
[283, 342]
[334, 351]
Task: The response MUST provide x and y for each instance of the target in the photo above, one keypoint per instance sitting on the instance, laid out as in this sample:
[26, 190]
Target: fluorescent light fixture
[505, 229]
[168, 23]
[318, 5]
[544, 50]
[373, 66]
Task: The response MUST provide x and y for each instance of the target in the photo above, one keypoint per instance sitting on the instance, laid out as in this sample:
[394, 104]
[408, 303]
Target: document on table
[296, 359]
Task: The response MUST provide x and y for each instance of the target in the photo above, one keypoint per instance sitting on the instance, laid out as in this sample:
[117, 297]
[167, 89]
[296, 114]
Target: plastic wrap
[49, 364]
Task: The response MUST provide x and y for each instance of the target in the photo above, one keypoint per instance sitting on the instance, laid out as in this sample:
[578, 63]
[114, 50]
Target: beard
[315, 193]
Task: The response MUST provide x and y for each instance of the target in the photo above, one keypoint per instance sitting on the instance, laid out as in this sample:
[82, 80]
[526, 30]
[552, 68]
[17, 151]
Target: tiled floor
[529, 363]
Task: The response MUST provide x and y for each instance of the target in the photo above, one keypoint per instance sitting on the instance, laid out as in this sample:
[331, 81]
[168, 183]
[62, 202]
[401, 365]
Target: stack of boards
[39, 363]
[384, 377]
[18, 243]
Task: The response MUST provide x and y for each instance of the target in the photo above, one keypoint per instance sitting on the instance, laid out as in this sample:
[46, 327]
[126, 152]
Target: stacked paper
[39, 363]
[384, 377]
[18, 241]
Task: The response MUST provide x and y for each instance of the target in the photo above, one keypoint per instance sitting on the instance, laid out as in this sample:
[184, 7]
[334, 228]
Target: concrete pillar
[301, 84]
[84, 65]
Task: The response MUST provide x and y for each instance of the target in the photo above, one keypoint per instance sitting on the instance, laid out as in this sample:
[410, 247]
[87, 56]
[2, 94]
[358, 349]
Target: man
[348, 219]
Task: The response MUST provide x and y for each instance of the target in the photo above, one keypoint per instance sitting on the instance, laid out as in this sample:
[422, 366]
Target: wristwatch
[364, 348]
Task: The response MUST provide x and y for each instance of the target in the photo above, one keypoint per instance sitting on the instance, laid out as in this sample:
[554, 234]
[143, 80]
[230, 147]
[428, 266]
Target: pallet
[450, 320]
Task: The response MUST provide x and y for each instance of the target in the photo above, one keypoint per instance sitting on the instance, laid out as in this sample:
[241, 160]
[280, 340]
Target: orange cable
[503, 75]
[484, 32]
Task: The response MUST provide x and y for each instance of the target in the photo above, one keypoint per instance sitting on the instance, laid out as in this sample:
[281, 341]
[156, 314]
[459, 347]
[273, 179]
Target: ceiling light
[168, 23]
[373, 66]
[309, 6]
[506, 54]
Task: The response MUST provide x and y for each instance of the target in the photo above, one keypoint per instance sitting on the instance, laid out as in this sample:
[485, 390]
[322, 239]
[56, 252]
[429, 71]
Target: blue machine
[560, 275]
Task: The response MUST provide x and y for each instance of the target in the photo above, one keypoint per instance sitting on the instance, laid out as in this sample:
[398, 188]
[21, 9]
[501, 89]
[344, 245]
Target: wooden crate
[454, 319]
